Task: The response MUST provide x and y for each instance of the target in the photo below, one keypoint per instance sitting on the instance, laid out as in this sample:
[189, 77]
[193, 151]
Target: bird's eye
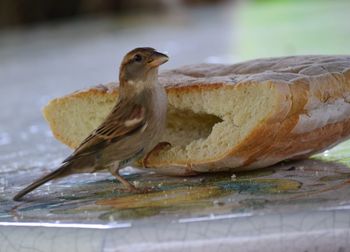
[137, 57]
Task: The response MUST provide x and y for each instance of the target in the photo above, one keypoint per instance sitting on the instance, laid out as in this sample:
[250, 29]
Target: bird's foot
[136, 190]
[127, 186]
[160, 146]
[145, 190]
[129, 189]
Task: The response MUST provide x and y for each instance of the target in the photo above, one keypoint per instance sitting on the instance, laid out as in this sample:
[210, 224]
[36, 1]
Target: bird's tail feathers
[55, 174]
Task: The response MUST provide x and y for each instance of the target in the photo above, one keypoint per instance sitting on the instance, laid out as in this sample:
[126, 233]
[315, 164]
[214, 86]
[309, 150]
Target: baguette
[231, 117]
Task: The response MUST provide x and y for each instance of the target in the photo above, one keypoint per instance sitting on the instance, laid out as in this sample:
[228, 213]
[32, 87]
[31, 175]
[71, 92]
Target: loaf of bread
[231, 117]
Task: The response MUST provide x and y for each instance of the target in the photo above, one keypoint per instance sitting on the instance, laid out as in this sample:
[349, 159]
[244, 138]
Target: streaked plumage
[133, 127]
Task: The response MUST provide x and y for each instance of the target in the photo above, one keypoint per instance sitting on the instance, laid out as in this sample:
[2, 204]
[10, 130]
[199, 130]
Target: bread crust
[313, 111]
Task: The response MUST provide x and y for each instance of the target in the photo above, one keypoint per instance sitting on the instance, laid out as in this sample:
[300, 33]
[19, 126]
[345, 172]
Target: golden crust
[313, 112]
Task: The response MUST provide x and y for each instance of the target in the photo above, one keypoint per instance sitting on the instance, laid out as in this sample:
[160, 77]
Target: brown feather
[111, 129]
[52, 175]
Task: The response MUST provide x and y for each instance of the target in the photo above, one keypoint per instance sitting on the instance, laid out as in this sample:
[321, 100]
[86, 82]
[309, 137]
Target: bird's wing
[124, 120]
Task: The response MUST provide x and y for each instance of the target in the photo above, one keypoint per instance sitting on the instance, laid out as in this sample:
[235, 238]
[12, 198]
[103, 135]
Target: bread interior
[205, 124]
[202, 124]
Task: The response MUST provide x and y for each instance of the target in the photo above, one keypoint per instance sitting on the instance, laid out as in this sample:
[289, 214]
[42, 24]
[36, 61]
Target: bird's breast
[156, 120]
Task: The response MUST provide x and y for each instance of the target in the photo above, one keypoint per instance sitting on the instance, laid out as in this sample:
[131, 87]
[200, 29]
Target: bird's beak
[157, 59]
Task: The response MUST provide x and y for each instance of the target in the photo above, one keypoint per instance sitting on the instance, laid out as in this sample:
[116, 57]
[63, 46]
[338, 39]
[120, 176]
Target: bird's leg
[128, 186]
[160, 146]
[115, 172]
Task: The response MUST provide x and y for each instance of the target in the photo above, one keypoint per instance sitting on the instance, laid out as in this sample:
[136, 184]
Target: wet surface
[98, 199]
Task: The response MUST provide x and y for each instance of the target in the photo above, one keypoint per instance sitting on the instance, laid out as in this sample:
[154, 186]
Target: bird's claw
[137, 190]
[146, 190]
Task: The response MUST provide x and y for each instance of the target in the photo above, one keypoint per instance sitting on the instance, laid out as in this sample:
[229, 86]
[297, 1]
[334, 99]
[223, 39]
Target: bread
[231, 117]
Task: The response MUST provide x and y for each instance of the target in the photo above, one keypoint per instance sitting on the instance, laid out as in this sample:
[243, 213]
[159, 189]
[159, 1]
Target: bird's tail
[55, 174]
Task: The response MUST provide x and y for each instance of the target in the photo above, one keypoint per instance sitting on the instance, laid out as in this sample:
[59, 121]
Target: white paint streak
[67, 225]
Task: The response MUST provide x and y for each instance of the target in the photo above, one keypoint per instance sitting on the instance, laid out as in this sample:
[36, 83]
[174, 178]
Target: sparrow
[131, 130]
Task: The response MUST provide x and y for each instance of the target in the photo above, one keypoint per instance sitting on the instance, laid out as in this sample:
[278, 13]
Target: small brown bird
[132, 129]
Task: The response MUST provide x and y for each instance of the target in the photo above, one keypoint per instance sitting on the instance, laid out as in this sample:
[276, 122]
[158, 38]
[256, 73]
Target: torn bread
[231, 117]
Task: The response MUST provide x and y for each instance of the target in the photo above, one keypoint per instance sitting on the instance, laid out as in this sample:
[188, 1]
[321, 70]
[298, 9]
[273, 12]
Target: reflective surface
[99, 199]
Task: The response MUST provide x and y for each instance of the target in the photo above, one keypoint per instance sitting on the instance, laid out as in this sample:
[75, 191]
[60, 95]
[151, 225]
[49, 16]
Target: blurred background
[49, 48]
[75, 43]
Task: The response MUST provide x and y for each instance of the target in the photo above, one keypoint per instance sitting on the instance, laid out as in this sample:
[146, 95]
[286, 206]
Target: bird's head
[140, 64]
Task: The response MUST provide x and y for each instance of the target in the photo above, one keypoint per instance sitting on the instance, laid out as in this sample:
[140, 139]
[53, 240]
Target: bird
[131, 130]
